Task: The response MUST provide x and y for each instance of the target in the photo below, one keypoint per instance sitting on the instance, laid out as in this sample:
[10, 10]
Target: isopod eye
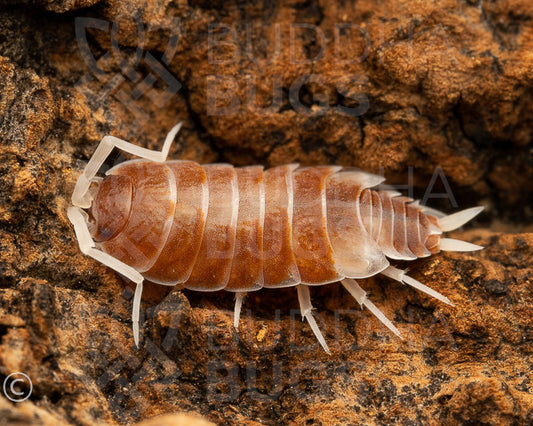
[111, 206]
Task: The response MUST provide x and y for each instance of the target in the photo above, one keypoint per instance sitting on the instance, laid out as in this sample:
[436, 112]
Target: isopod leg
[87, 247]
[360, 296]
[304, 297]
[81, 196]
[239, 297]
[136, 308]
[399, 275]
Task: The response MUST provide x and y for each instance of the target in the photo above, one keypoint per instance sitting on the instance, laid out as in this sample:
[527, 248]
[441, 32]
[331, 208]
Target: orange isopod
[213, 227]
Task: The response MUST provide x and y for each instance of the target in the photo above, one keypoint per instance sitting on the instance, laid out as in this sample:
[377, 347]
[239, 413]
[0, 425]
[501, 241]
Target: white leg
[78, 218]
[135, 312]
[81, 196]
[304, 297]
[399, 275]
[360, 295]
[239, 296]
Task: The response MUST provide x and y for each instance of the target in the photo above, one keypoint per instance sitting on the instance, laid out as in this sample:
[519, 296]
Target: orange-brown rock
[436, 95]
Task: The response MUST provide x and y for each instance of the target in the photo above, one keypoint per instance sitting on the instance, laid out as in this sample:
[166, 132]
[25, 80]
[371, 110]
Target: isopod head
[111, 207]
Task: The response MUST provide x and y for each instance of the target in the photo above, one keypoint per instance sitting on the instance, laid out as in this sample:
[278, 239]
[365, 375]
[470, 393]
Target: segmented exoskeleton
[215, 227]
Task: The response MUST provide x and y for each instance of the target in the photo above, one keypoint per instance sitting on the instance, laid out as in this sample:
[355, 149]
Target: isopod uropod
[215, 227]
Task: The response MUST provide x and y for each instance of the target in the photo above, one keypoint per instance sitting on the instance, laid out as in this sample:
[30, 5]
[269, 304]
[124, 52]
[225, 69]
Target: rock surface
[437, 96]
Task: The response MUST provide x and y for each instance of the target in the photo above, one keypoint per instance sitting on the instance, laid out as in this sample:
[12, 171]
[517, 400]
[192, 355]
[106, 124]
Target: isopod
[213, 227]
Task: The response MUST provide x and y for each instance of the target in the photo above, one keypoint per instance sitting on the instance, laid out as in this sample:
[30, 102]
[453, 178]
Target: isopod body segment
[213, 227]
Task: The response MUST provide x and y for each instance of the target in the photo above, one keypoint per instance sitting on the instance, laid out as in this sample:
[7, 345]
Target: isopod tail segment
[446, 223]
[385, 224]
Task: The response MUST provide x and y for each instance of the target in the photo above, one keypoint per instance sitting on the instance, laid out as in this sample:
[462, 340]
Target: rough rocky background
[437, 96]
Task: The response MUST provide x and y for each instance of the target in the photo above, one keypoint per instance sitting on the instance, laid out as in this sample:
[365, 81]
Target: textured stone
[426, 85]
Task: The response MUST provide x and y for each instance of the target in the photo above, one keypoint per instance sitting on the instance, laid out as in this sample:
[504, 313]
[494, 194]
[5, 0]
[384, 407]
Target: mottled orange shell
[215, 227]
